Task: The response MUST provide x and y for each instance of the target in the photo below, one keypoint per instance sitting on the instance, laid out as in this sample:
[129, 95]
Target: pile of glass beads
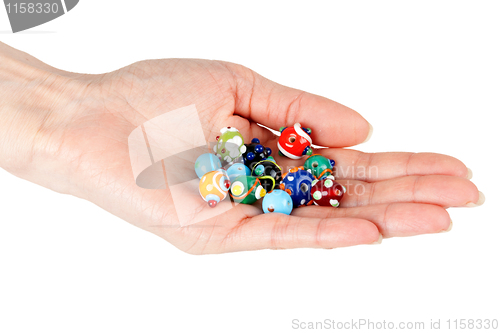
[248, 172]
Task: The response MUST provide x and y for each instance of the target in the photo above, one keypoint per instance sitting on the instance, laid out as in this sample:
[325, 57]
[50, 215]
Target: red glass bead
[327, 192]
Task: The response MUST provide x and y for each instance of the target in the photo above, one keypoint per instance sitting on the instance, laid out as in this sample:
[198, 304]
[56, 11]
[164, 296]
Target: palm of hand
[406, 196]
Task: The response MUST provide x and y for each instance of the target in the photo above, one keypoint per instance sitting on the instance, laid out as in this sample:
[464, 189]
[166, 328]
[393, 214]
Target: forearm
[33, 99]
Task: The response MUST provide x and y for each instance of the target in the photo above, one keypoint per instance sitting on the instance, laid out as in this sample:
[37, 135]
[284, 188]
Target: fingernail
[469, 173]
[449, 228]
[479, 202]
[370, 132]
[379, 241]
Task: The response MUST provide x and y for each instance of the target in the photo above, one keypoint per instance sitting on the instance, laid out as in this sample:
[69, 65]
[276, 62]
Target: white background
[426, 75]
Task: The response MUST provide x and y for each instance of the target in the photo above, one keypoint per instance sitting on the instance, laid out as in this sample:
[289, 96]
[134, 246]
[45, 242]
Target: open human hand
[69, 132]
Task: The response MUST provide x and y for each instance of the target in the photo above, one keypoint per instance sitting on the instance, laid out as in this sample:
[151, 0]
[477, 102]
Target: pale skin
[69, 133]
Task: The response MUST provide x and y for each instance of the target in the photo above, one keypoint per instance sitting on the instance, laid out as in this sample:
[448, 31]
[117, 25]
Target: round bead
[229, 145]
[206, 163]
[237, 169]
[327, 192]
[255, 140]
[259, 170]
[320, 166]
[214, 186]
[255, 152]
[246, 189]
[298, 184]
[294, 142]
[269, 173]
[277, 201]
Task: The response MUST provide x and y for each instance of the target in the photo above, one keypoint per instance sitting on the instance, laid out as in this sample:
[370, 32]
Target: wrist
[34, 103]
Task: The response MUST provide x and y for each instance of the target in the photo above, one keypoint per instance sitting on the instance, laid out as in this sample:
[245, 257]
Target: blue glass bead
[206, 163]
[259, 149]
[277, 201]
[298, 183]
[236, 170]
[259, 170]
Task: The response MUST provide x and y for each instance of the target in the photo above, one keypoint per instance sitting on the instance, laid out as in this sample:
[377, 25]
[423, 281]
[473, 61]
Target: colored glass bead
[229, 145]
[277, 201]
[246, 189]
[298, 183]
[320, 166]
[255, 152]
[295, 141]
[268, 172]
[237, 169]
[327, 192]
[214, 186]
[206, 163]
